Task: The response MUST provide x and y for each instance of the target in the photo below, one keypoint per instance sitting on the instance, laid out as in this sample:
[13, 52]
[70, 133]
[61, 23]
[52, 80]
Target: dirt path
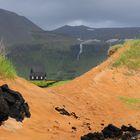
[94, 97]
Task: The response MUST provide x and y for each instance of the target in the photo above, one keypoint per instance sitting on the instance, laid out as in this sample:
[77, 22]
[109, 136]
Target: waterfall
[80, 51]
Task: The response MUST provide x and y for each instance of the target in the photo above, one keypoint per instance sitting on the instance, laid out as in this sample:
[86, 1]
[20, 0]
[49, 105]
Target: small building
[37, 74]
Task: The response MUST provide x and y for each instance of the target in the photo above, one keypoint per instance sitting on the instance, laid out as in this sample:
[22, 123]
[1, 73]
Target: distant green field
[59, 83]
[130, 58]
[43, 83]
[46, 83]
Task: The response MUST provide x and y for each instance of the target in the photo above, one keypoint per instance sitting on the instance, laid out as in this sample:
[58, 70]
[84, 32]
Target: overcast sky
[50, 14]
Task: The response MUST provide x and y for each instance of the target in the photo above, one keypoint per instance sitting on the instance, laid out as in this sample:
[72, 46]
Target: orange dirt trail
[94, 97]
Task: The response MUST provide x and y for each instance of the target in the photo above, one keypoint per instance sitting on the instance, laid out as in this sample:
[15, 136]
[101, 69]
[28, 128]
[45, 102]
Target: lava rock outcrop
[112, 132]
[63, 111]
[12, 104]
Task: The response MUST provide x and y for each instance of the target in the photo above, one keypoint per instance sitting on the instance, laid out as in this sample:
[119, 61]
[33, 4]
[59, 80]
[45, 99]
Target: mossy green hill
[131, 57]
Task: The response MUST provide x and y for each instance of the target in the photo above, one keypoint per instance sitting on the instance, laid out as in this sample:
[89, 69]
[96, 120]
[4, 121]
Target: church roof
[37, 71]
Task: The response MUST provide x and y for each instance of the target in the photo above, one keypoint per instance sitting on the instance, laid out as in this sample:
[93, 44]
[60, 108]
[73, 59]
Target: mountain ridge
[105, 34]
[15, 28]
[57, 52]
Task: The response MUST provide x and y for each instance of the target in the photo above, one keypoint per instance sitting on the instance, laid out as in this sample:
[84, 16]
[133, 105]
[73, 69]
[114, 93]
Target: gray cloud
[96, 13]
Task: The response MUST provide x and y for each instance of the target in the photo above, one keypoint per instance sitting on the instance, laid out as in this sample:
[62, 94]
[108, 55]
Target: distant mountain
[28, 46]
[65, 53]
[75, 31]
[84, 32]
[15, 28]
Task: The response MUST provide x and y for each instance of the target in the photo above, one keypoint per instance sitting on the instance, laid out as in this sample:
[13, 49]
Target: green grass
[59, 83]
[116, 47]
[43, 83]
[133, 103]
[6, 68]
[113, 49]
[131, 57]
[46, 83]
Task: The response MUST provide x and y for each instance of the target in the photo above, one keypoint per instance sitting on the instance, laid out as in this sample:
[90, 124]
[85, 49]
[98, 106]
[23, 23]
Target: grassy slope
[130, 58]
[113, 49]
[6, 68]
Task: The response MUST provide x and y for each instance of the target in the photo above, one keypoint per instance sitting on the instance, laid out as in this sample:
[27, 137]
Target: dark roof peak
[38, 69]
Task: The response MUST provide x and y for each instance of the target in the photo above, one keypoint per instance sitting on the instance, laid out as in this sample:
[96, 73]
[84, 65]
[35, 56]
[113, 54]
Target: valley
[63, 52]
[69, 70]
[106, 94]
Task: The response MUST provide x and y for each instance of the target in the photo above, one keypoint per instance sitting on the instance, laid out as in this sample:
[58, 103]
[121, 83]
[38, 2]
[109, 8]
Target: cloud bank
[50, 14]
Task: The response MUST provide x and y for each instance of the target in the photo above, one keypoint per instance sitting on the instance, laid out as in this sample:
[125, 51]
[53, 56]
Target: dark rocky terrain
[12, 104]
[112, 132]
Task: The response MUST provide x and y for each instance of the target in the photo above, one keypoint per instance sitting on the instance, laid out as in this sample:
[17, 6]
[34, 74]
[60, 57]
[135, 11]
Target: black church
[37, 73]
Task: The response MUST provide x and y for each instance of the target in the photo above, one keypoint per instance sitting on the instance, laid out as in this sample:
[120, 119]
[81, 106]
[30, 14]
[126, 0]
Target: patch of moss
[131, 57]
[113, 49]
[133, 103]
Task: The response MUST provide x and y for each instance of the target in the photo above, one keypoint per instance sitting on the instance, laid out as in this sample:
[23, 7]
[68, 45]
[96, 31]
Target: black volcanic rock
[12, 104]
[4, 109]
[129, 128]
[63, 111]
[112, 132]
[93, 136]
